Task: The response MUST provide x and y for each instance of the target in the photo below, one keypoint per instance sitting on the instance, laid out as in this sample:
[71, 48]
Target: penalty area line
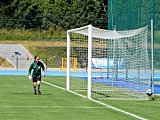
[108, 106]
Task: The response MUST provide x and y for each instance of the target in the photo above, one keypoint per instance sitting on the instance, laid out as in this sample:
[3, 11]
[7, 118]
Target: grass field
[17, 102]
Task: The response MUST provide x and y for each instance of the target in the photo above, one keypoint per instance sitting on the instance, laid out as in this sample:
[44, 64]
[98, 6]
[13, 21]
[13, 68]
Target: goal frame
[89, 58]
[88, 33]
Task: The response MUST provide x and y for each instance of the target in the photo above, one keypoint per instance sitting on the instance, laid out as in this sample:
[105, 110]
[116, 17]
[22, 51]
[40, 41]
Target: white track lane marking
[108, 106]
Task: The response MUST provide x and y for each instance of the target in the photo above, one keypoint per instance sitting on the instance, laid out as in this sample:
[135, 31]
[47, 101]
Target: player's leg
[34, 85]
[39, 83]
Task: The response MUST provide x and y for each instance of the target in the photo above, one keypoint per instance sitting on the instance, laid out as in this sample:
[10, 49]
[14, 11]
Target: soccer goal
[110, 64]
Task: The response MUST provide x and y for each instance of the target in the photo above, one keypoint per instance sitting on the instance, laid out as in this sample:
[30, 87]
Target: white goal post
[110, 64]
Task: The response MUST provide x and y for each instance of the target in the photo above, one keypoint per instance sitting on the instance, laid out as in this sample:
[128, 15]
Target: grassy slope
[42, 48]
[34, 47]
[38, 47]
[5, 63]
[29, 44]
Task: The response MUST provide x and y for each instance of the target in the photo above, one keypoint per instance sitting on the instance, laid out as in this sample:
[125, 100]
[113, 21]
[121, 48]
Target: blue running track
[60, 73]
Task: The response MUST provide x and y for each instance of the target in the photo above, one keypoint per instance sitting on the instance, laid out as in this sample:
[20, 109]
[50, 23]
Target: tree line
[68, 14]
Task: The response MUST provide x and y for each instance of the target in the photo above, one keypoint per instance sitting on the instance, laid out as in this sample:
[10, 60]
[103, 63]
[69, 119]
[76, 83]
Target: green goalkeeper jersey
[36, 67]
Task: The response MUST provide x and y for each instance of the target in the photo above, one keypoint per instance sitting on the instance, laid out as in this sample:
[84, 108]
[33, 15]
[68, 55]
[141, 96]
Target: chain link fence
[24, 64]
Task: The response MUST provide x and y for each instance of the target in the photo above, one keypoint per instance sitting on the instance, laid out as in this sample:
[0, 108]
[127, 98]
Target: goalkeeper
[35, 72]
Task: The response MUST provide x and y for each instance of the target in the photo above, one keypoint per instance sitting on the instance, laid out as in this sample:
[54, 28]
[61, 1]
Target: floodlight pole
[152, 45]
[152, 52]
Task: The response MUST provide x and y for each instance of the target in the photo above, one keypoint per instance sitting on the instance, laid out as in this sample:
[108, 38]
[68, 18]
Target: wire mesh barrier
[22, 63]
[131, 14]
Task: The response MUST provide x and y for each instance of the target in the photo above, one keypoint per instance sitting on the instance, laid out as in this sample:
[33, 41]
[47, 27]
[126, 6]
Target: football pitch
[18, 102]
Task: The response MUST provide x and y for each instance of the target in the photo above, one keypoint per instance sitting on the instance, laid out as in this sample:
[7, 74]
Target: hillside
[50, 52]
[34, 46]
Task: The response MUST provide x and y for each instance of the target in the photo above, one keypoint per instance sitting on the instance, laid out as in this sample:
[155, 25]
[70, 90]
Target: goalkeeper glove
[29, 77]
[43, 73]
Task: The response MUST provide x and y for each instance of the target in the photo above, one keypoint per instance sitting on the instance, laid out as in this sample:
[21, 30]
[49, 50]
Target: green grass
[17, 102]
[18, 34]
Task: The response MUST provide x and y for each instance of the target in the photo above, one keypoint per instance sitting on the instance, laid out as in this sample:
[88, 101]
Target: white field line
[11, 85]
[108, 106]
[64, 107]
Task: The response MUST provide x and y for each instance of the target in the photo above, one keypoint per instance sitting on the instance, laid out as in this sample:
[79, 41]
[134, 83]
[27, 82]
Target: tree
[58, 13]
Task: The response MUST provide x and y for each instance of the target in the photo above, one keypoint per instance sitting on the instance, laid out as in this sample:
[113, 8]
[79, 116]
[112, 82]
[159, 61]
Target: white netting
[108, 34]
[120, 64]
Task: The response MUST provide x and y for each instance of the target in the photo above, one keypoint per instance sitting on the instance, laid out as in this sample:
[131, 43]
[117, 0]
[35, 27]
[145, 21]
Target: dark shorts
[36, 79]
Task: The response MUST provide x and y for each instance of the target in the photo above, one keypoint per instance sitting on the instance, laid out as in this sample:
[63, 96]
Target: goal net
[110, 64]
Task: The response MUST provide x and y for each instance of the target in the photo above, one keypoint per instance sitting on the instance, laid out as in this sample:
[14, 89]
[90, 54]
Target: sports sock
[34, 89]
[38, 87]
